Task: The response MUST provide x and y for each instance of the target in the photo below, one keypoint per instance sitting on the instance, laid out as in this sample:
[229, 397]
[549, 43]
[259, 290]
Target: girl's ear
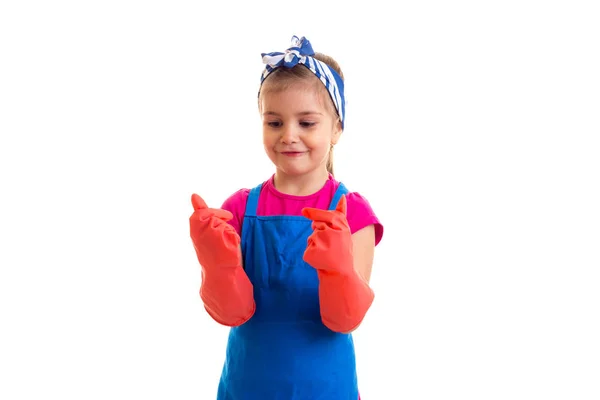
[337, 132]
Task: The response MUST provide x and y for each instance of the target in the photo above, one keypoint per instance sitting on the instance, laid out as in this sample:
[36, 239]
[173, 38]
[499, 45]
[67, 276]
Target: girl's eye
[307, 124]
[274, 124]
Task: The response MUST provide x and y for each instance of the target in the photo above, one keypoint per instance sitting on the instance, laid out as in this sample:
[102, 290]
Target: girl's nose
[289, 134]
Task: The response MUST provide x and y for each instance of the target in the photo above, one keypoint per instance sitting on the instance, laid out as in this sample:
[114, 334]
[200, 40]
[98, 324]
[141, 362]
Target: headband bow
[301, 52]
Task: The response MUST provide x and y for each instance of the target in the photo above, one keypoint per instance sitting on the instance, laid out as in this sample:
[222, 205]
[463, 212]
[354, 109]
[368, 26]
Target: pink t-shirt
[272, 202]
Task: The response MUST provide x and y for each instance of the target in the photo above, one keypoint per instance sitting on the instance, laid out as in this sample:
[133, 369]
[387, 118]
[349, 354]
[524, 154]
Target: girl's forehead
[296, 95]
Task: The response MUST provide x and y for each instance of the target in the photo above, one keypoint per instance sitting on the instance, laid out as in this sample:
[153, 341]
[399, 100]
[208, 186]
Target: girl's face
[298, 129]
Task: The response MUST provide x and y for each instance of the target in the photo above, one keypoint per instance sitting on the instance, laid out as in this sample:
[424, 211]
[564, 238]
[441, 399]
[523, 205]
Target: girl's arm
[226, 291]
[343, 262]
[363, 244]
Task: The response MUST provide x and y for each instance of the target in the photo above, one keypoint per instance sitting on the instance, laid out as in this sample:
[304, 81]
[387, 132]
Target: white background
[472, 129]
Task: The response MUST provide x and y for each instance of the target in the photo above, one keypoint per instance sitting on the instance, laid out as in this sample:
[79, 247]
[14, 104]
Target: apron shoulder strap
[252, 203]
[341, 190]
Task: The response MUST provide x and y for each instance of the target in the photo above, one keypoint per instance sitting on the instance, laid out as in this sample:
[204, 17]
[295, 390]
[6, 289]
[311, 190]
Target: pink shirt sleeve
[360, 215]
[236, 204]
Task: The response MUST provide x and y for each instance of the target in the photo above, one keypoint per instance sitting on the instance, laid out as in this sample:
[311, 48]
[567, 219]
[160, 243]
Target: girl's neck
[300, 185]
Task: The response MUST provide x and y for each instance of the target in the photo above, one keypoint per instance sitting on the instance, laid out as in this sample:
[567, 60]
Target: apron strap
[341, 190]
[252, 203]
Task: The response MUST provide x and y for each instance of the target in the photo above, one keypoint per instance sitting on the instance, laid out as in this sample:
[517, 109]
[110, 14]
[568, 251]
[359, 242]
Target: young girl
[287, 263]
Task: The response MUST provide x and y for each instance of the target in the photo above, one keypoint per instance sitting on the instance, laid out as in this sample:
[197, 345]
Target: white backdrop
[472, 129]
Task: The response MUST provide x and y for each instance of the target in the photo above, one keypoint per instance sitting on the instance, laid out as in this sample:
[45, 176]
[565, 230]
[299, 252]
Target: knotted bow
[297, 53]
[301, 52]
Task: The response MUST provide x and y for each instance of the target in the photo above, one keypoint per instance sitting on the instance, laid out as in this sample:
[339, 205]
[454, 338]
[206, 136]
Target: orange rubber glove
[226, 291]
[345, 297]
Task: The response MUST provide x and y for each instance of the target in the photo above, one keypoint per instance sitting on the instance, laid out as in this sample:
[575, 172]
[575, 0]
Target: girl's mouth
[292, 153]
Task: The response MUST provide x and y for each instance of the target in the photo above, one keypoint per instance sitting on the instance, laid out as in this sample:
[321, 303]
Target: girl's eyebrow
[300, 113]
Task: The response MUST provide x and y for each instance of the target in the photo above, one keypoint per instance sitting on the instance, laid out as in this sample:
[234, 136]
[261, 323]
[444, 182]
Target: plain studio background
[472, 129]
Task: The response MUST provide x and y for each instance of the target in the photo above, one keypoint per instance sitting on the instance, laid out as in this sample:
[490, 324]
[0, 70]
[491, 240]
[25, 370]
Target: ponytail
[329, 164]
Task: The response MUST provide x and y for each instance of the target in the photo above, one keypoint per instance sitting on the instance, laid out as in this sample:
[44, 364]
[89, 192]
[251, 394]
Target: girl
[287, 263]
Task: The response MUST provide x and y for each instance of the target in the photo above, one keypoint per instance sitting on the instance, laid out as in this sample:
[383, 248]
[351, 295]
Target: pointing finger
[197, 202]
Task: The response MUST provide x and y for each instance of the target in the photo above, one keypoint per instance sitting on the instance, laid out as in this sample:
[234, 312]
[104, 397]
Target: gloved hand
[344, 296]
[216, 241]
[226, 291]
[330, 245]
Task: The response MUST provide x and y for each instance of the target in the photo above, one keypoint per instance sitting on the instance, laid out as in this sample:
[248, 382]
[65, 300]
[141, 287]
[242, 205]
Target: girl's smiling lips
[293, 153]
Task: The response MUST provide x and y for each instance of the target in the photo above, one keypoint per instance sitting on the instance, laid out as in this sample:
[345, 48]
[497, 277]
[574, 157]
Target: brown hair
[282, 78]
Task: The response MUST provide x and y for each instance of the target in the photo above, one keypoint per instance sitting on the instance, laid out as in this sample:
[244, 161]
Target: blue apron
[284, 352]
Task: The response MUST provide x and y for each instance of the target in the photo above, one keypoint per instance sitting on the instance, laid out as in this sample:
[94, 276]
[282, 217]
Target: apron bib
[284, 352]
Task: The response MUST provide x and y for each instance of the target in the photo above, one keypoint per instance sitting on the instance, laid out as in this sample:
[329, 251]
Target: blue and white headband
[300, 53]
